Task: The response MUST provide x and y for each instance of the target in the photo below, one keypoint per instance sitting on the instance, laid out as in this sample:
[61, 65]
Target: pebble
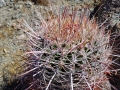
[16, 7]
[9, 9]
[22, 36]
[28, 4]
[11, 5]
[16, 16]
[2, 3]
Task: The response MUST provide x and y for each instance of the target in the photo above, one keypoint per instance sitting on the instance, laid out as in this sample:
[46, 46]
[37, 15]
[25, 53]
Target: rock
[11, 4]
[2, 3]
[16, 7]
[28, 4]
[110, 10]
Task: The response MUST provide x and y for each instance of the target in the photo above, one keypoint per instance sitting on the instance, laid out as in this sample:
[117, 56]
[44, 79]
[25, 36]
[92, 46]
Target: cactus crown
[72, 53]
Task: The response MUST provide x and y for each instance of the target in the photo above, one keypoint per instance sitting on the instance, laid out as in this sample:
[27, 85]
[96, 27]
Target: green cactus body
[72, 53]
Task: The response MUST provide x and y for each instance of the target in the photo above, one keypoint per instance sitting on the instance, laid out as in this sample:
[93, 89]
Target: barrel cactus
[68, 52]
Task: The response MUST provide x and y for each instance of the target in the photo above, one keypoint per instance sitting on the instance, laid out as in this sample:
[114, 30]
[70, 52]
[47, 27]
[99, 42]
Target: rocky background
[12, 40]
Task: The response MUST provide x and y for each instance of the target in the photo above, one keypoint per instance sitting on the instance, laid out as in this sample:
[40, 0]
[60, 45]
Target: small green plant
[68, 52]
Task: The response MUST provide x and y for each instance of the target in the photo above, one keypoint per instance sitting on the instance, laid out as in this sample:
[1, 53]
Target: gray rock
[28, 4]
[110, 11]
[16, 7]
[10, 4]
[16, 16]
[2, 3]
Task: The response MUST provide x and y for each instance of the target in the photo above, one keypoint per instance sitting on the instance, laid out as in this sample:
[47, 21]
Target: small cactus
[68, 52]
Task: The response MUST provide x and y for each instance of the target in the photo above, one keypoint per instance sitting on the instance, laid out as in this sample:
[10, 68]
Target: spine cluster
[68, 52]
